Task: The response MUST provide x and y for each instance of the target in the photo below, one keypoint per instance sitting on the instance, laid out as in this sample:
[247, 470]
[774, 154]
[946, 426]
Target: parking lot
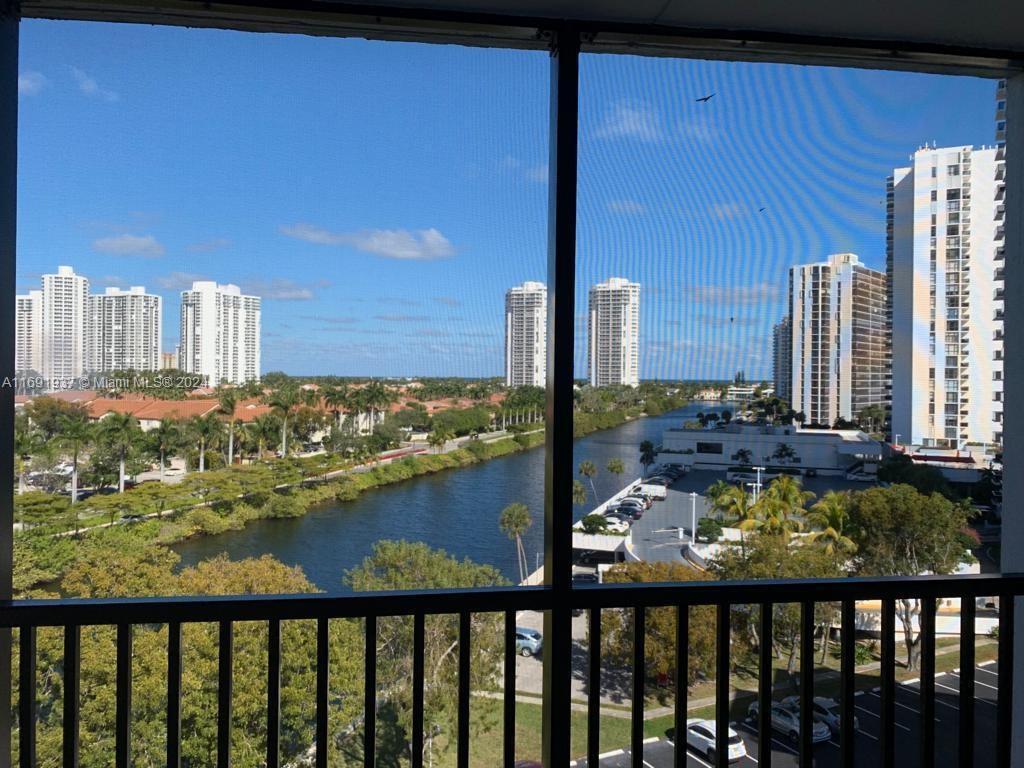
[659, 752]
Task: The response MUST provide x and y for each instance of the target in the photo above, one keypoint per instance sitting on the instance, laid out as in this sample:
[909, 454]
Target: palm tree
[166, 438]
[337, 399]
[262, 430]
[830, 515]
[776, 517]
[735, 505]
[438, 438]
[787, 490]
[579, 493]
[514, 521]
[615, 467]
[227, 402]
[121, 433]
[75, 433]
[281, 403]
[588, 470]
[27, 441]
[716, 489]
[205, 429]
[647, 454]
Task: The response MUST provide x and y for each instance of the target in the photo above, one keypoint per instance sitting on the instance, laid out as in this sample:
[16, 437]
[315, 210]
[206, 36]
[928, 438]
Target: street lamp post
[757, 485]
[693, 516]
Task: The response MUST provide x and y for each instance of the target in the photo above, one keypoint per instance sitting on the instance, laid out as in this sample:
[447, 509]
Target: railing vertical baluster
[888, 672]
[273, 693]
[72, 691]
[509, 703]
[418, 642]
[1004, 699]
[225, 664]
[927, 685]
[682, 682]
[807, 683]
[174, 694]
[966, 703]
[123, 693]
[722, 687]
[764, 686]
[462, 757]
[27, 697]
[323, 645]
[639, 668]
[370, 695]
[594, 689]
[848, 683]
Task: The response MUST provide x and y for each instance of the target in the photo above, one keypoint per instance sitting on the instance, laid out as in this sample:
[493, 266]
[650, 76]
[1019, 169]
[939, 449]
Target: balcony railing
[725, 597]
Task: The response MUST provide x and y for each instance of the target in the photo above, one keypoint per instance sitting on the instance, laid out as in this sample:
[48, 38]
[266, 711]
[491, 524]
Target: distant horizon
[382, 197]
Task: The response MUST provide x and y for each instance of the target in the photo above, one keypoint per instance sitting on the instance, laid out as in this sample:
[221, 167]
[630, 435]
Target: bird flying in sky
[705, 98]
[762, 209]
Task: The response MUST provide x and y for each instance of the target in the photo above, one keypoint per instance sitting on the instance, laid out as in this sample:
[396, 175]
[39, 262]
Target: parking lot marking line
[651, 739]
[860, 693]
[613, 753]
[986, 663]
[988, 672]
[954, 690]
[911, 681]
[786, 747]
[898, 725]
[937, 701]
[978, 682]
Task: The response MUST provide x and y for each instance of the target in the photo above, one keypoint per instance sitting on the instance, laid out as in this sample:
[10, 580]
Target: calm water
[456, 510]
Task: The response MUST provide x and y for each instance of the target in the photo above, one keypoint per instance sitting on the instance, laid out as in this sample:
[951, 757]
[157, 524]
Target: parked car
[700, 736]
[787, 722]
[647, 500]
[528, 641]
[823, 710]
[631, 504]
[658, 481]
[632, 513]
[130, 519]
[585, 578]
[617, 525]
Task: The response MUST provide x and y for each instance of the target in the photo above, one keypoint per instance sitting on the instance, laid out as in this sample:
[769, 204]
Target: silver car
[787, 722]
[823, 710]
[528, 641]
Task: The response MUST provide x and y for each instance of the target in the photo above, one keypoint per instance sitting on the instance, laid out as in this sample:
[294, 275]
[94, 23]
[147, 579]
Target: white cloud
[538, 173]
[727, 295]
[88, 85]
[630, 120]
[179, 281]
[30, 83]
[415, 245]
[214, 244]
[726, 211]
[626, 206]
[278, 289]
[129, 245]
[448, 301]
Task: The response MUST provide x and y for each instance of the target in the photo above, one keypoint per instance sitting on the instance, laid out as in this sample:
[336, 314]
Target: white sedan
[700, 736]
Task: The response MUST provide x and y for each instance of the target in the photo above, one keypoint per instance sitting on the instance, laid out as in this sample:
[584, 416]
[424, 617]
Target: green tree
[121, 434]
[901, 532]
[76, 432]
[615, 467]
[872, 418]
[282, 402]
[227, 402]
[27, 440]
[660, 624]
[439, 438]
[647, 455]
[514, 521]
[262, 430]
[206, 431]
[579, 493]
[165, 440]
[588, 470]
[829, 516]
[594, 523]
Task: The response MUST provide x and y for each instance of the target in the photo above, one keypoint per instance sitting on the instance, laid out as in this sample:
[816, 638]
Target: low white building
[823, 451]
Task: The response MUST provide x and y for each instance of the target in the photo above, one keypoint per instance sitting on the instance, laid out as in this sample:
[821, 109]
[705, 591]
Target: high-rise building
[220, 333]
[168, 360]
[613, 333]
[123, 331]
[526, 335]
[28, 328]
[999, 255]
[63, 320]
[782, 359]
[945, 262]
[839, 348]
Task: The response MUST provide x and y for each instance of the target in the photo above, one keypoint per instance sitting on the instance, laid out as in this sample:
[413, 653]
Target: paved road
[659, 752]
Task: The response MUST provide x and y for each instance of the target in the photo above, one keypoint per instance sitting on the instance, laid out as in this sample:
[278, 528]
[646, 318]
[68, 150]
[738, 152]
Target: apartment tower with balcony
[613, 333]
[220, 333]
[526, 335]
[124, 330]
[28, 329]
[782, 359]
[947, 298]
[839, 349]
[63, 322]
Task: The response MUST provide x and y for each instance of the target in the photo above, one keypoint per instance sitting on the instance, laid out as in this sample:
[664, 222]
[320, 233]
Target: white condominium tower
[613, 333]
[63, 321]
[945, 265]
[526, 335]
[782, 359]
[839, 348]
[124, 331]
[220, 333]
[28, 328]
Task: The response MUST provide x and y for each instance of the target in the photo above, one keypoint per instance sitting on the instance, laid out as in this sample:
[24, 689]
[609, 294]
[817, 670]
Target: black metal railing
[71, 615]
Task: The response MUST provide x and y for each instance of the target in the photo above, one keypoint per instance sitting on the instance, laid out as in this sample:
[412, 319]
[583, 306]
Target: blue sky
[381, 197]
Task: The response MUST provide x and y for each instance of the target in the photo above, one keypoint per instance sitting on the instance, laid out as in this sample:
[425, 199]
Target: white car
[700, 737]
[616, 525]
